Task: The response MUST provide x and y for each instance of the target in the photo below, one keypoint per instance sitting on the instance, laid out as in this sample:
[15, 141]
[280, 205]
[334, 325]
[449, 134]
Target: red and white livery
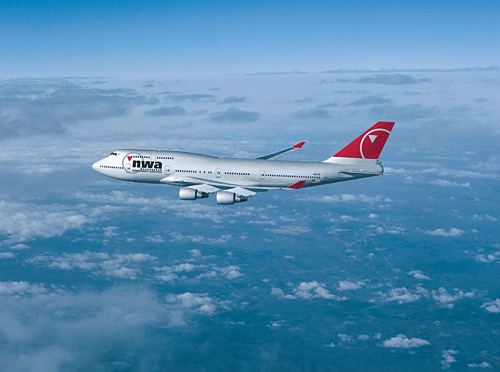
[235, 180]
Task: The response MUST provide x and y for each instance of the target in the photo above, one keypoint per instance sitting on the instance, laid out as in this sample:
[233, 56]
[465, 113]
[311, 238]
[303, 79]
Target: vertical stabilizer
[367, 147]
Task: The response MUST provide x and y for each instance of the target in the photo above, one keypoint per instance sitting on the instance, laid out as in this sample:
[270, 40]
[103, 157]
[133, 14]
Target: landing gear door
[262, 174]
[217, 173]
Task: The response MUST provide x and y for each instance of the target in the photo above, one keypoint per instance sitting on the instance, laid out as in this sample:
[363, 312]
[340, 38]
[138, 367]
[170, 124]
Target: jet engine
[227, 197]
[187, 193]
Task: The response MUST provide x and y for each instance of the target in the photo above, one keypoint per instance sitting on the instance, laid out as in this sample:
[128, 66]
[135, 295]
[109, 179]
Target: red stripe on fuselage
[297, 185]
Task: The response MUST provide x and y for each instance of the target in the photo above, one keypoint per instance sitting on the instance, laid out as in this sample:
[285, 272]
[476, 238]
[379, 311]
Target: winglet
[279, 154]
[297, 185]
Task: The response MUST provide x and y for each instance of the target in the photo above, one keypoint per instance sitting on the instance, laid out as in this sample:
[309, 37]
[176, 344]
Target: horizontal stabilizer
[361, 173]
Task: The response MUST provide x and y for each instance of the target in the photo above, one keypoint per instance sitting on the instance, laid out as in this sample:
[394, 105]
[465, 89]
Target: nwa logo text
[134, 163]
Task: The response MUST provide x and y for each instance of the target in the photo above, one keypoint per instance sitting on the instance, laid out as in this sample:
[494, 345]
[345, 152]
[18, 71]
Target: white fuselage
[185, 169]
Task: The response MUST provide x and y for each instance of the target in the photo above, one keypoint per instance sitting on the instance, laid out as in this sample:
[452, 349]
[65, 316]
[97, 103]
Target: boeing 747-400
[235, 180]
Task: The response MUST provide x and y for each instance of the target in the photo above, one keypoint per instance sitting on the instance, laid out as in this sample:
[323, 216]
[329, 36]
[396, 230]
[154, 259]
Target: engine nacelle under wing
[227, 197]
[186, 193]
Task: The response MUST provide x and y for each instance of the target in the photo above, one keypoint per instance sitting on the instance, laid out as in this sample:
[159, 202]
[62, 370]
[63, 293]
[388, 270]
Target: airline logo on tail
[368, 145]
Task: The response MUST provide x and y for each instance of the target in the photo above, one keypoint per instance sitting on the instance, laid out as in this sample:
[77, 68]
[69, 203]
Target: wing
[205, 188]
[196, 183]
[278, 154]
[212, 186]
[242, 191]
[226, 193]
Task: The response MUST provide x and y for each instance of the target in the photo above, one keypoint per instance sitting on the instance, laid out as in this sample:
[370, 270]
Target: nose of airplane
[95, 166]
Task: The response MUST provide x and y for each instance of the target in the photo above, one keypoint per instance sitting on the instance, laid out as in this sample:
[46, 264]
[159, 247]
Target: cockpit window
[114, 153]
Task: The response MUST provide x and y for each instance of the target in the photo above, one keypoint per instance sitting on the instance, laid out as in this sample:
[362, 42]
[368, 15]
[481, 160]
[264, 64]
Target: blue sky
[158, 38]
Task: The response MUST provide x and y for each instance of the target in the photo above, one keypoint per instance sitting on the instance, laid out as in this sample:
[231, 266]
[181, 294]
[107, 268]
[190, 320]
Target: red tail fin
[369, 145]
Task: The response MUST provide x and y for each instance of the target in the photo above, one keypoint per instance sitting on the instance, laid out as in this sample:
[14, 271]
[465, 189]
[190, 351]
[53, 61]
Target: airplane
[235, 180]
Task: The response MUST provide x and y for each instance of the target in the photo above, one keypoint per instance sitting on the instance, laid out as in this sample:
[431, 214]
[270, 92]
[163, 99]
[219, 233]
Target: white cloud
[343, 198]
[233, 274]
[395, 230]
[290, 230]
[458, 173]
[51, 107]
[208, 274]
[347, 218]
[345, 339]
[346, 285]
[7, 255]
[279, 293]
[25, 222]
[492, 307]
[277, 324]
[167, 273]
[445, 183]
[403, 342]
[195, 252]
[123, 273]
[120, 200]
[184, 267]
[480, 365]
[20, 246]
[487, 258]
[199, 302]
[348, 197]
[453, 232]
[263, 222]
[200, 239]
[45, 328]
[155, 239]
[230, 272]
[166, 277]
[401, 295]
[116, 265]
[110, 231]
[307, 291]
[135, 257]
[444, 298]
[417, 274]
[448, 358]
[21, 288]
[314, 289]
